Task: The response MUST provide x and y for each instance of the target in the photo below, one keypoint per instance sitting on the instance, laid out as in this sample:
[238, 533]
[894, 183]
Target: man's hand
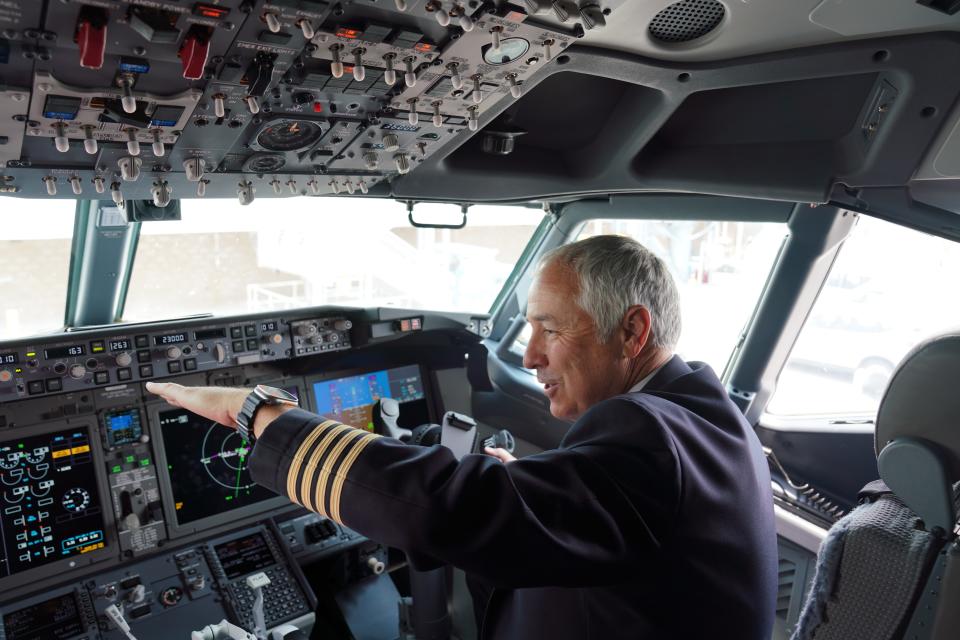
[219, 404]
[502, 455]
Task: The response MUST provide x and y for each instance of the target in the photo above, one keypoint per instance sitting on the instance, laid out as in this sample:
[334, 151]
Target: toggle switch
[359, 72]
[133, 145]
[477, 90]
[443, 18]
[99, 185]
[76, 186]
[89, 142]
[307, 28]
[128, 102]
[437, 116]
[515, 89]
[495, 33]
[473, 123]
[363, 186]
[412, 116]
[314, 187]
[455, 78]
[335, 186]
[466, 22]
[401, 5]
[60, 139]
[219, 105]
[292, 185]
[349, 186]
[273, 22]
[548, 49]
[51, 184]
[409, 76]
[336, 65]
[116, 195]
[389, 74]
[253, 105]
[537, 6]
[157, 147]
[276, 186]
[202, 187]
[592, 16]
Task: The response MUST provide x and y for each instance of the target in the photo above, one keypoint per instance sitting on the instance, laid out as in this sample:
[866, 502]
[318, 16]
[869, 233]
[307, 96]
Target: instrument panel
[159, 99]
[102, 481]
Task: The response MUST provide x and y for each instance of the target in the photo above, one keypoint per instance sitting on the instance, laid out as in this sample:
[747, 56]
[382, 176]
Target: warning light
[424, 47]
[317, 107]
[210, 11]
[346, 32]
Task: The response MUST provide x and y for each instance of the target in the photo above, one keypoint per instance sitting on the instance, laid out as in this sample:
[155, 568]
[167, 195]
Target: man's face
[577, 370]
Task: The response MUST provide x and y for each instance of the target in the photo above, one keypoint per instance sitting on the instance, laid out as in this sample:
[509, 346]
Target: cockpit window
[283, 254]
[889, 289]
[35, 242]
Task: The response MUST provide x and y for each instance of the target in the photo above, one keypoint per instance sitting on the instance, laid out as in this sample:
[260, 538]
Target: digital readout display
[120, 344]
[208, 334]
[244, 555]
[9, 358]
[55, 618]
[170, 338]
[266, 327]
[65, 352]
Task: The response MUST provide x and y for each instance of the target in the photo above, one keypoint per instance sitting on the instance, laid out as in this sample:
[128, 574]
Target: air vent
[787, 575]
[686, 20]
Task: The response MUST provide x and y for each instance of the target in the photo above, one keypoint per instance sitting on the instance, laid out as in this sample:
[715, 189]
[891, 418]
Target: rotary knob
[173, 353]
[391, 143]
[403, 163]
[123, 359]
[273, 338]
[77, 371]
[5, 376]
[306, 330]
[220, 353]
[342, 325]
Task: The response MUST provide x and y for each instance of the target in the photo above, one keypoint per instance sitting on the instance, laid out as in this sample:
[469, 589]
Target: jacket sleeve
[559, 518]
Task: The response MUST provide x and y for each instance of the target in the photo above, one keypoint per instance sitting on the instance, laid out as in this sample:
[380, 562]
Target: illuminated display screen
[244, 555]
[350, 399]
[122, 427]
[50, 503]
[120, 344]
[9, 358]
[66, 352]
[207, 466]
[55, 618]
[170, 338]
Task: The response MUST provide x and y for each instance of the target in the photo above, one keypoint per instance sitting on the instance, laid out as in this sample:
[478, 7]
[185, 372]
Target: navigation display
[350, 399]
[207, 466]
[49, 502]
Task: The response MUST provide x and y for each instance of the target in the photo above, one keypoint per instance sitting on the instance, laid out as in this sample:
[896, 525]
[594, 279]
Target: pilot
[652, 519]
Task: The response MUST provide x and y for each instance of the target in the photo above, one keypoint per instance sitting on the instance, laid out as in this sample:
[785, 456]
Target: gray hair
[615, 273]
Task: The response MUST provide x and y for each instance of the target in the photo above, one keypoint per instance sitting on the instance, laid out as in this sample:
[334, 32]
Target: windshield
[281, 254]
[35, 240]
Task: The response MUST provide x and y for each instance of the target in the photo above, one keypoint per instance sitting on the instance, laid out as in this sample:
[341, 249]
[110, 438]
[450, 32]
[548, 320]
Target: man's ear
[636, 330]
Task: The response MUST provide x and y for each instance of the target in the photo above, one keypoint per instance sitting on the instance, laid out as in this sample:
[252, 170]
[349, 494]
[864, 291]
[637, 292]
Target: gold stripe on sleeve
[328, 465]
[294, 470]
[332, 433]
[342, 475]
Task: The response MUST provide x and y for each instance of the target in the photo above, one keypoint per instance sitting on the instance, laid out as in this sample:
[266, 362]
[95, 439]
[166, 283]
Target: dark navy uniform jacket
[653, 519]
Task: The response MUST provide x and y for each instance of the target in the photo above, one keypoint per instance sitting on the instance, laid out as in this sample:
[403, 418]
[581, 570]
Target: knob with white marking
[245, 192]
[193, 169]
[173, 352]
[162, 193]
[77, 371]
[123, 359]
[129, 168]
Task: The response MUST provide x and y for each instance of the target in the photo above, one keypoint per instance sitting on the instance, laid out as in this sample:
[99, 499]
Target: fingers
[500, 454]
[169, 391]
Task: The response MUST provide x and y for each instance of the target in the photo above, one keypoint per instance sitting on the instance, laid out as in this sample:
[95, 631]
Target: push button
[174, 367]
[142, 342]
[250, 330]
[190, 364]
[34, 387]
[252, 344]
[54, 384]
[143, 356]
[124, 374]
[146, 371]
[101, 377]
[236, 332]
[237, 346]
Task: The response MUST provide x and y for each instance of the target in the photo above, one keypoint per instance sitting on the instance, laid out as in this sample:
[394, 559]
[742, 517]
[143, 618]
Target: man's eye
[549, 331]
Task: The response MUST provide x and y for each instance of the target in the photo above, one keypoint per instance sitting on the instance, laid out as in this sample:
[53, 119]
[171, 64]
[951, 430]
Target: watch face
[274, 395]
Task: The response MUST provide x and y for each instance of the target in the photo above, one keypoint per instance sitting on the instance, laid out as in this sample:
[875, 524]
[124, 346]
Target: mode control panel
[126, 355]
[310, 536]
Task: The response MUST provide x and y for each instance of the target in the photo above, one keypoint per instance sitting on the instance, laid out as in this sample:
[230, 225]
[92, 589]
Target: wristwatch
[261, 395]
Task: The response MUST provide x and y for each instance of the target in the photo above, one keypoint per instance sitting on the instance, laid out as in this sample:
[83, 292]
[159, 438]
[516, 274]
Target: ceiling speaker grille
[686, 20]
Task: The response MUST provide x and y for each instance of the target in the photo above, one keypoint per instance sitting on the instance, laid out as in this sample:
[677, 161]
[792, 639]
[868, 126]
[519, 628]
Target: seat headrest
[923, 400]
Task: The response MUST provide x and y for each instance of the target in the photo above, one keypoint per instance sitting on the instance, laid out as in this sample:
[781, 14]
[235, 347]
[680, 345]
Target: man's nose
[533, 356]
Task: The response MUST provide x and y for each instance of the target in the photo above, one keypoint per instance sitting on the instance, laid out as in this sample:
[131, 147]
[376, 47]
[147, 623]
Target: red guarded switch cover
[193, 53]
[91, 36]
